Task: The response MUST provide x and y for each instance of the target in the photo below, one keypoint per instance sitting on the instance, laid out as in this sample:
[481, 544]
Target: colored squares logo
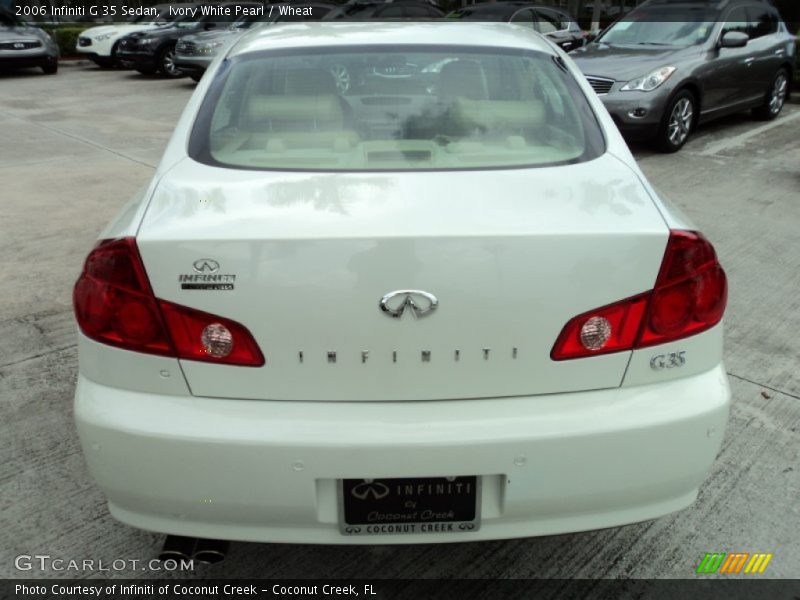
[734, 563]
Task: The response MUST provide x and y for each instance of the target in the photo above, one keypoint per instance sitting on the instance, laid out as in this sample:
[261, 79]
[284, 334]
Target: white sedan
[443, 306]
[98, 44]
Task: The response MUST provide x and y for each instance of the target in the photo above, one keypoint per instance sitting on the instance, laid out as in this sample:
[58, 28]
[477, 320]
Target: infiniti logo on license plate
[409, 505]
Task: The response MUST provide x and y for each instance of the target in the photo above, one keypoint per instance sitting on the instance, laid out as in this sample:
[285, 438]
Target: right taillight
[689, 296]
[115, 305]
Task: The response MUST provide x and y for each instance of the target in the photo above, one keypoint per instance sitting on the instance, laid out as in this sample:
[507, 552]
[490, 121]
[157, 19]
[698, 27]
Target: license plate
[409, 505]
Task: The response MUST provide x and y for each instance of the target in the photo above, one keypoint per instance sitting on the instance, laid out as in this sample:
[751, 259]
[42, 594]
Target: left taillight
[115, 305]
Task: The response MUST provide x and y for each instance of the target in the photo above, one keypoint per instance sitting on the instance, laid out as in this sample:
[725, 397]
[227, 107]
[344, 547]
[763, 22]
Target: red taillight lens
[195, 333]
[689, 296]
[691, 291]
[115, 305]
[113, 301]
[623, 318]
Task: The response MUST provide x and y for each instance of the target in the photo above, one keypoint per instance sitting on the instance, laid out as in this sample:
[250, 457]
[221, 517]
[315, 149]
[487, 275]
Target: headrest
[310, 82]
[464, 79]
[302, 111]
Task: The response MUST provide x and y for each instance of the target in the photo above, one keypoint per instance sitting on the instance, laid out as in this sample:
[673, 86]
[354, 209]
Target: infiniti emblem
[420, 303]
[18, 45]
[370, 488]
[205, 265]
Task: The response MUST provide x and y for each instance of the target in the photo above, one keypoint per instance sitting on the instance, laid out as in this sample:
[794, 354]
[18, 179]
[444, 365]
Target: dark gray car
[22, 45]
[194, 53]
[668, 66]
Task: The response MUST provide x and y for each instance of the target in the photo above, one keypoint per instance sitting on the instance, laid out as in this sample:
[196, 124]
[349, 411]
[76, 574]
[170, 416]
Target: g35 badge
[672, 360]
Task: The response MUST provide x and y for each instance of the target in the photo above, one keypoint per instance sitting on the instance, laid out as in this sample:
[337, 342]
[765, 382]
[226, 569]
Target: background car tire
[678, 123]
[166, 63]
[775, 98]
[146, 70]
[50, 67]
[115, 62]
[196, 76]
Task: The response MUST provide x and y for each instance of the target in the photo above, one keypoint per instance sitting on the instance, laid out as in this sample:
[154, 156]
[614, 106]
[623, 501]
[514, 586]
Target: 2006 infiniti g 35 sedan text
[444, 305]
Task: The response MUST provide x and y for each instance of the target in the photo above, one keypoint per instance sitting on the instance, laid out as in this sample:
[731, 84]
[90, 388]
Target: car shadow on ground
[21, 73]
[135, 75]
[93, 68]
[185, 81]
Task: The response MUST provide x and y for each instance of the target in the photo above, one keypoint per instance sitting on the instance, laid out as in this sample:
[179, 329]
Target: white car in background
[98, 43]
[444, 305]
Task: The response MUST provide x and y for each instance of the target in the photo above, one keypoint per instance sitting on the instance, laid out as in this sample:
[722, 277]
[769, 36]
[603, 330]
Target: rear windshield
[384, 109]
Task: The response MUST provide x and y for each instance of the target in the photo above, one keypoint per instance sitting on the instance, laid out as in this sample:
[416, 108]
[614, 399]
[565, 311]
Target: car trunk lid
[303, 259]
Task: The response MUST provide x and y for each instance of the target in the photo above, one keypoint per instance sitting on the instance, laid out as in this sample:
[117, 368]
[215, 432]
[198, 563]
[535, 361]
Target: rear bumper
[267, 471]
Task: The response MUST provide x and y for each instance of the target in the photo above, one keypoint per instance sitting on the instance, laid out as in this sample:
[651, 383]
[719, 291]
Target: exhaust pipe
[210, 552]
[207, 552]
[177, 547]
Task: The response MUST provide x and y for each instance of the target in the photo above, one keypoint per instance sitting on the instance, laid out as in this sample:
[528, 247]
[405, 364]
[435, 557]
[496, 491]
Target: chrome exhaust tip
[177, 547]
[209, 552]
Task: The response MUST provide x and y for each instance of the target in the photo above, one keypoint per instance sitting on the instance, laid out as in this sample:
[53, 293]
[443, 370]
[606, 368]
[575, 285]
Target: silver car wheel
[168, 63]
[778, 97]
[342, 77]
[680, 121]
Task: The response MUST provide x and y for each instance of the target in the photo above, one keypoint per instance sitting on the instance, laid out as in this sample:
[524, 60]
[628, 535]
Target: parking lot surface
[76, 146]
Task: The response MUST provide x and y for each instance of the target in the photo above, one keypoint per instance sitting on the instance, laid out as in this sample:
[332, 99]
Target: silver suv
[25, 46]
[668, 66]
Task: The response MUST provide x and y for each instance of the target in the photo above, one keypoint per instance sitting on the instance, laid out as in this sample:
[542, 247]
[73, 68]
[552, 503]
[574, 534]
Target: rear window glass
[383, 109]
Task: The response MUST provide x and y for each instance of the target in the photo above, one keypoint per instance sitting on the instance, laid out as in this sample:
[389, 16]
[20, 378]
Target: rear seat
[310, 114]
[293, 113]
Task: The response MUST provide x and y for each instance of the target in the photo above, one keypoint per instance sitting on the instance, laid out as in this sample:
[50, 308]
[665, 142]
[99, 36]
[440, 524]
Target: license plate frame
[426, 505]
